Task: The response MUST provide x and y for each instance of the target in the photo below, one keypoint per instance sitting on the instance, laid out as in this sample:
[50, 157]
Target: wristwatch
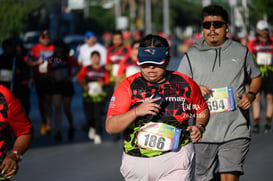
[18, 154]
[203, 127]
[252, 94]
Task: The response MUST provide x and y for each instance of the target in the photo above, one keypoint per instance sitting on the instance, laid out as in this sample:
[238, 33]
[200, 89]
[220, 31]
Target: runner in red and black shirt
[153, 108]
[115, 54]
[61, 69]
[92, 79]
[14, 120]
[38, 58]
[128, 65]
[262, 49]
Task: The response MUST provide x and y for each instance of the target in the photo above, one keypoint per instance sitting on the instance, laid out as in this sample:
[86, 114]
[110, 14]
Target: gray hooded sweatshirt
[230, 64]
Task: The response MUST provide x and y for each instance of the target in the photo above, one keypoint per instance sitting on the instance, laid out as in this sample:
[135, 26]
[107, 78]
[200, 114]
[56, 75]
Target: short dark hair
[95, 53]
[215, 10]
[154, 41]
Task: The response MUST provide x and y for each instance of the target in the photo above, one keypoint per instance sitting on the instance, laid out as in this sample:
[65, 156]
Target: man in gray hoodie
[222, 68]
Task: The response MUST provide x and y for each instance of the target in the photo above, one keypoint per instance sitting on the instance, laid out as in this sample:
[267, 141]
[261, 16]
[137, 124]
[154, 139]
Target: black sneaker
[71, 133]
[58, 136]
[256, 128]
[267, 128]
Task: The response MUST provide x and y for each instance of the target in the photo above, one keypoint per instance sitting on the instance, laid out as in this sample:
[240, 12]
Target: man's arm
[248, 98]
[30, 62]
[118, 123]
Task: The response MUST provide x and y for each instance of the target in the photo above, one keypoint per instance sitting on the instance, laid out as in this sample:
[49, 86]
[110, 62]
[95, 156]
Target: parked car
[31, 38]
[73, 42]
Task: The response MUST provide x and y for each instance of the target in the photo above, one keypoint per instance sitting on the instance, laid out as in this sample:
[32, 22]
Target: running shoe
[97, 139]
[256, 128]
[91, 133]
[58, 136]
[43, 129]
[71, 133]
[48, 129]
[267, 128]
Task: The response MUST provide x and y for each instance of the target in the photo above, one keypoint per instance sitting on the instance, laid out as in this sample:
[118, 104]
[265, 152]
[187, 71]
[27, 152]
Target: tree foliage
[13, 16]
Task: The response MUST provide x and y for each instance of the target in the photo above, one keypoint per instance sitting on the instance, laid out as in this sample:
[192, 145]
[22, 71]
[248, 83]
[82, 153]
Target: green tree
[13, 16]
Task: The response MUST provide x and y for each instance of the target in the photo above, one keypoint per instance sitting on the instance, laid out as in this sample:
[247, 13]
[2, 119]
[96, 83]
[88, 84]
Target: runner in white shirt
[88, 47]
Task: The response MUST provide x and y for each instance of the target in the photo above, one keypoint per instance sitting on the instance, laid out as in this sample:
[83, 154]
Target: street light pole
[166, 21]
[148, 17]
[117, 12]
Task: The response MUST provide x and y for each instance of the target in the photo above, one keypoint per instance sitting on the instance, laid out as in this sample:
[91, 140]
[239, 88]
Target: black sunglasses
[215, 24]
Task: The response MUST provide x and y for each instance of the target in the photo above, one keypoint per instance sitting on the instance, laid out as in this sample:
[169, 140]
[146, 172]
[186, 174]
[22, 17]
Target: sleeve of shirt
[198, 101]
[184, 66]
[121, 100]
[107, 61]
[250, 46]
[80, 59]
[18, 121]
[81, 74]
[121, 69]
[73, 61]
[103, 53]
[251, 66]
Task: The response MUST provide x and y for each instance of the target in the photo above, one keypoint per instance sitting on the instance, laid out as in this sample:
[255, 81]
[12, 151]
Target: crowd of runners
[217, 82]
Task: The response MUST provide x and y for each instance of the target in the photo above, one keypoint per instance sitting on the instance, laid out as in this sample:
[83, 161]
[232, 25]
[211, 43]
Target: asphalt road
[82, 160]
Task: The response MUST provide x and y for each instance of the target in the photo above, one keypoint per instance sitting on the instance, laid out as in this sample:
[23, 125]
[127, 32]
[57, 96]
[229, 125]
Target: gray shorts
[213, 158]
[172, 166]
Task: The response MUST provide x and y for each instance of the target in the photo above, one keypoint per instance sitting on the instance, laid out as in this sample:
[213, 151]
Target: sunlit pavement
[81, 160]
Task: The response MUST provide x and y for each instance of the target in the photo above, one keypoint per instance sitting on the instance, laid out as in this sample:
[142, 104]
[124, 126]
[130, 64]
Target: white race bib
[43, 67]
[94, 88]
[264, 58]
[221, 100]
[158, 137]
[6, 75]
[115, 68]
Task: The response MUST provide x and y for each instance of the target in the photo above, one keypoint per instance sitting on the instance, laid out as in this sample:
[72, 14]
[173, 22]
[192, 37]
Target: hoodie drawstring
[216, 56]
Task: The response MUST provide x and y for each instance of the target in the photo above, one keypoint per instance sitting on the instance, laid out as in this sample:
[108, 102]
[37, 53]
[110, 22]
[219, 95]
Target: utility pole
[166, 20]
[117, 12]
[148, 17]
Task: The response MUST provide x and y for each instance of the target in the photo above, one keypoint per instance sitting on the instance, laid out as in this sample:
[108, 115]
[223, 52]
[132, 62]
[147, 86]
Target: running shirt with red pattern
[12, 118]
[41, 51]
[114, 56]
[182, 100]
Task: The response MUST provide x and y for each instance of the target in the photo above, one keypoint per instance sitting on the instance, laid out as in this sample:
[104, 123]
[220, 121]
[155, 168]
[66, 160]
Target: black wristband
[202, 126]
[253, 94]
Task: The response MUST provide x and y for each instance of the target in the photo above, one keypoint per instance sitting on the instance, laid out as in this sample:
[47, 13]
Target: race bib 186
[159, 137]
[221, 100]
[94, 88]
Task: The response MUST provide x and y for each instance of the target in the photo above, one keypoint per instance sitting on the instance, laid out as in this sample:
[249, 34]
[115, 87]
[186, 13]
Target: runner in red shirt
[115, 54]
[128, 65]
[38, 59]
[262, 49]
[153, 108]
[92, 79]
[61, 69]
[14, 120]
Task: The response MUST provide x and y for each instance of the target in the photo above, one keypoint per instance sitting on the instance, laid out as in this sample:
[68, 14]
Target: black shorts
[63, 88]
[42, 85]
[267, 83]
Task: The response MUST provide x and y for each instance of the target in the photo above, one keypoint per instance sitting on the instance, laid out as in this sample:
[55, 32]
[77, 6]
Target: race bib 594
[221, 100]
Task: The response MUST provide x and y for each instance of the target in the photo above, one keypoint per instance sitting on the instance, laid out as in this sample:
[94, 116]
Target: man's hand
[148, 107]
[205, 90]
[196, 132]
[9, 166]
[246, 100]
